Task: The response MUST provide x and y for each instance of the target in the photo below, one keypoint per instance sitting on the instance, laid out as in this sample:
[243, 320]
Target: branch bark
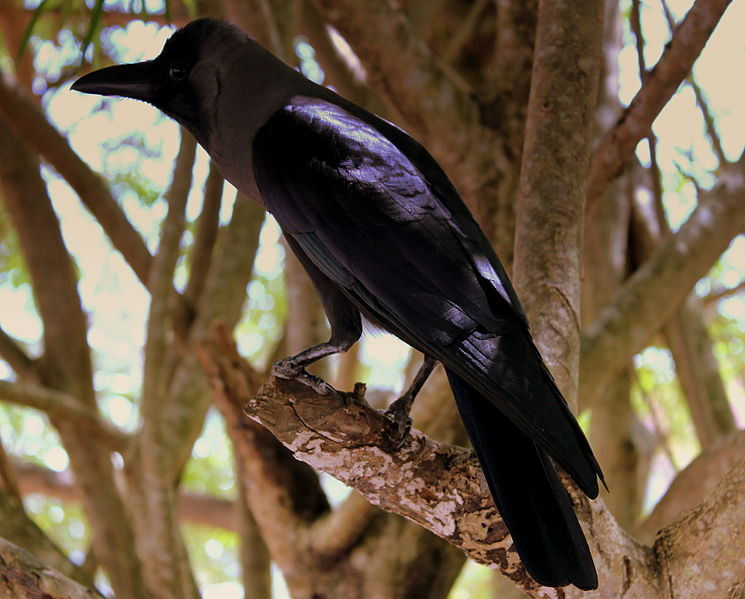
[22, 576]
[434, 485]
[550, 209]
[617, 145]
[707, 539]
[652, 294]
[694, 483]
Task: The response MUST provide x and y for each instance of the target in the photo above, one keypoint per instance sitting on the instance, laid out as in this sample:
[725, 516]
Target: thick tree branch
[694, 483]
[650, 297]
[550, 209]
[437, 486]
[60, 404]
[618, 144]
[27, 121]
[66, 364]
[22, 576]
[701, 553]
[18, 528]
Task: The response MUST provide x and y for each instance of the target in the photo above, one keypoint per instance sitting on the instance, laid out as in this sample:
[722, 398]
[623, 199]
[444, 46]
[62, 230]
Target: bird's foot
[398, 413]
[285, 369]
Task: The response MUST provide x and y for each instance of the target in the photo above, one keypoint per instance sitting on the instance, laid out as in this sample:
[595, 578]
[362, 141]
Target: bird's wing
[376, 214]
[370, 219]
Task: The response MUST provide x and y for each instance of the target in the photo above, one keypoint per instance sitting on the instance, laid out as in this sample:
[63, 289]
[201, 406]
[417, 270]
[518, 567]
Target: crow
[384, 235]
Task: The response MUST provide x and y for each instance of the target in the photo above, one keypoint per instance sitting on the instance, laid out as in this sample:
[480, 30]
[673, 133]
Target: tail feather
[528, 494]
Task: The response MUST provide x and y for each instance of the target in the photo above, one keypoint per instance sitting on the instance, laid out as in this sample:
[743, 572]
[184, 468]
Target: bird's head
[183, 81]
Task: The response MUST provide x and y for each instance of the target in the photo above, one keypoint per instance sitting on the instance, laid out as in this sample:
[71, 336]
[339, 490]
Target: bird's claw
[287, 370]
[398, 413]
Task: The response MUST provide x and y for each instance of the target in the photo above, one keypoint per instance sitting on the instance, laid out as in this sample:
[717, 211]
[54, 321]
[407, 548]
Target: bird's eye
[178, 71]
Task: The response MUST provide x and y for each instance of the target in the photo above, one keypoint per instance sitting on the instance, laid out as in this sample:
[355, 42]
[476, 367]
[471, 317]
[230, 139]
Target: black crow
[383, 233]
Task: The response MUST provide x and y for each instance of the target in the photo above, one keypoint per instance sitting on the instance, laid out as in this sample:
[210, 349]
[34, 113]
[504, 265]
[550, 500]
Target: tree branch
[618, 144]
[701, 553]
[60, 404]
[22, 576]
[205, 237]
[27, 121]
[12, 352]
[66, 364]
[195, 508]
[652, 294]
[694, 483]
[437, 486]
[550, 209]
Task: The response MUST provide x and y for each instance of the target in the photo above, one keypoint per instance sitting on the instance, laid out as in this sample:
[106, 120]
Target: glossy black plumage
[387, 228]
[382, 231]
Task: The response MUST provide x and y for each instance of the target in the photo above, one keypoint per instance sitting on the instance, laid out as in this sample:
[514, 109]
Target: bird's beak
[127, 80]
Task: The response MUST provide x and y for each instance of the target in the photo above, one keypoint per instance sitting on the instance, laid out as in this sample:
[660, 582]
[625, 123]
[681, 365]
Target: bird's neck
[257, 85]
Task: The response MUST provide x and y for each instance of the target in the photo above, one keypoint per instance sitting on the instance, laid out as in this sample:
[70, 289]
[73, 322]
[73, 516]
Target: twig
[711, 129]
[464, 31]
[720, 294]
[618, 144]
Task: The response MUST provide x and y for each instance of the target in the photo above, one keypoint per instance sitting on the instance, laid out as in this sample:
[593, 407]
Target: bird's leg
[399, 410]
[294, 366]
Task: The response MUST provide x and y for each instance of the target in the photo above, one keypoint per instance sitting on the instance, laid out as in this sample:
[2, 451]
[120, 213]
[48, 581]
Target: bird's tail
[528, 494]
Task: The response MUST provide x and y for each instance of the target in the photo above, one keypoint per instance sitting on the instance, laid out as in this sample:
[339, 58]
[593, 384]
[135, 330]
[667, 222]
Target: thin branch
[711, 129]
[60, 404]
[22, 576]
[165, 567]
[618, 144]
[720, 294]
[255, 559]
[464, 31]
[16, 357]
[205, 237]
[652, 294]
[28, 122]
[195, 508]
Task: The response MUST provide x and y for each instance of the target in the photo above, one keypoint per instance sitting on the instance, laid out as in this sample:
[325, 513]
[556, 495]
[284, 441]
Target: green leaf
[30, 28]
[95, 20]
